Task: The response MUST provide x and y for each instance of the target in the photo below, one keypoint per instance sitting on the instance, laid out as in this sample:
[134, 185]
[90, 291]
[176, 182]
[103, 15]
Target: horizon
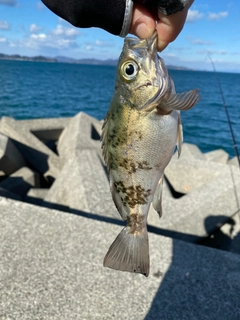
[169, 66]
[33, 30]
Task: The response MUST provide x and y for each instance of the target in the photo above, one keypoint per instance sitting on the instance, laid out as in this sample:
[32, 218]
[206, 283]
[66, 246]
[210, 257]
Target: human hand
[168, 27]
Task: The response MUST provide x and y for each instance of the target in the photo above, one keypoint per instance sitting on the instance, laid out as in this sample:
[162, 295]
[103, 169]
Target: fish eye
[129, 70]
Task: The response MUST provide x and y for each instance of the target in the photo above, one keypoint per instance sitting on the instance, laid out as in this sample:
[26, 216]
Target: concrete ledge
[51, 268]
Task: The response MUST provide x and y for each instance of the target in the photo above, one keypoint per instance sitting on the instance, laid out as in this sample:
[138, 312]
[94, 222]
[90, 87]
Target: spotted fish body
[140, 133]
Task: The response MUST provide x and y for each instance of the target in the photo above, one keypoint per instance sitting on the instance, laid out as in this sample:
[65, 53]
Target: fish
[140, 133]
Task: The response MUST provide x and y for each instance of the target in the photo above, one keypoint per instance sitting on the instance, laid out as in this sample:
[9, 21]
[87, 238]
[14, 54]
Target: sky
[212, 29]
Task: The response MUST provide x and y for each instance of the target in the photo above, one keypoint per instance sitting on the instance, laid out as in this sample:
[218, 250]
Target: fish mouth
[150, 44]
[137, 44]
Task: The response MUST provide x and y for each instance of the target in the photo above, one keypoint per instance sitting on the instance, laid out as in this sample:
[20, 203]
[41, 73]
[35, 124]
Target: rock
[219, 156]
[10, 158]
[51, 268]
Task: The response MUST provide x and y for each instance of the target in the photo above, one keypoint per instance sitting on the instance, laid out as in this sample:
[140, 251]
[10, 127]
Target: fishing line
[226, 111]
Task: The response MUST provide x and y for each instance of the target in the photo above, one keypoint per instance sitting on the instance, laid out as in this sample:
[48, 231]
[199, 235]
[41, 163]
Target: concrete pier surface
[57, 221]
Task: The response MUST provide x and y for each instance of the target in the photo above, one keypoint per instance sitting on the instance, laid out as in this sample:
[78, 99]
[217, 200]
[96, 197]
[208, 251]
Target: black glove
[166, 7]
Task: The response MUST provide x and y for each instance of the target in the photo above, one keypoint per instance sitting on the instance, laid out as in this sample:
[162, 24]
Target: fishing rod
[226, 111]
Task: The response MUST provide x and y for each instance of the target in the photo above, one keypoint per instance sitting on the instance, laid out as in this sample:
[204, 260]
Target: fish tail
[129, 252]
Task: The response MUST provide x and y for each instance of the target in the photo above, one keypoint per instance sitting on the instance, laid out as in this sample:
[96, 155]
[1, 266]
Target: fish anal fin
[104, 139]
[129, 252]
[117, 199]
[157, 198]
[179, 136]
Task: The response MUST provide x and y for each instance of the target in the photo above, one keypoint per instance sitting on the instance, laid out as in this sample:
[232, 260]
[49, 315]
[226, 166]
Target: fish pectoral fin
[157, 198]
[180, 101]
[129, 252]
[179, 136]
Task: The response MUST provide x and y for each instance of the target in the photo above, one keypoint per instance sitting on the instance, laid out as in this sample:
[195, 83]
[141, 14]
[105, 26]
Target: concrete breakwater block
[10, 195]
[21, 181]
[188, 174]
[197, 186]
[219, 155]
[83, 185]
[51, 268]
[190, 151]
[10, 158]
[218, 198]
[82, 132]
[234, 162]
[45, 129]
[33, 150]
[36, 195]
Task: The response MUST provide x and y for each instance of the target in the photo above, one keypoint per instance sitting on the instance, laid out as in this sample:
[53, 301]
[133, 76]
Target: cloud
[40, 6]
[210, 52]
[201, 42]
[217, 16]
[41, 36]
[4, 25]
[3, 40]
[11, 3]
[67, 32]
[37, 41]
[169, 55]
[58, 38]
[34, 28]
[99, 43]
[194, 15]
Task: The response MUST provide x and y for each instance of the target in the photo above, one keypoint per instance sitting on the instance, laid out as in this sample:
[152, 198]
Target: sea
[30, 90]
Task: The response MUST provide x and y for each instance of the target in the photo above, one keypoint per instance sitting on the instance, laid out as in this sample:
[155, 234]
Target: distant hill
[62, 59]
[25, 58]
[110, 62]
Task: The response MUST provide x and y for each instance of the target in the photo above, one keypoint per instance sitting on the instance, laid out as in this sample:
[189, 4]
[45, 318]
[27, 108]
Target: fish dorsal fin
[105, 150]
[179, 135]
[157, 198]
[179, 101]
[104, 140]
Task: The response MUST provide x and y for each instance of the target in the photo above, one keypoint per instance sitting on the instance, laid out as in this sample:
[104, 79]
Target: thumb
[143, 24]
